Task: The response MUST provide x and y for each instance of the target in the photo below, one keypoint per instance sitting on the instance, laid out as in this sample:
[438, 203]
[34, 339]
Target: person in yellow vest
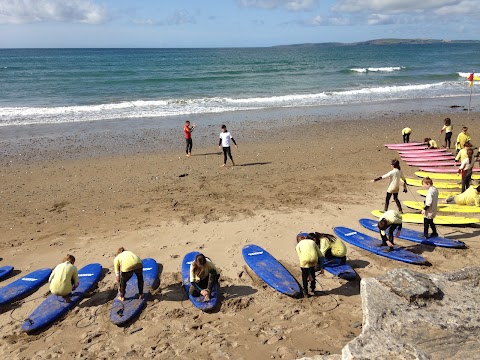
[308, 254]
[448, 128]
[391, 220]
[64, 278]
[330, 246]
[432, 144]
[471, 196]
[203, 276]
[126, 263]
[462, 154]
[406, 134]
[462, 138]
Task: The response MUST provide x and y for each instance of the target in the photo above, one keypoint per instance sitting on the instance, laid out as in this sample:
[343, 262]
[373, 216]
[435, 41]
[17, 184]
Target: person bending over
[406, 134]
[308, 255]
[203, 276]
[64, 278]
[391, 220]
[126, 263]
[330, 246]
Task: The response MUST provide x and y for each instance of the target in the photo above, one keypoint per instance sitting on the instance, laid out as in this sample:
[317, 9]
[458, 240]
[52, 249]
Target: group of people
[448, 129]
[64, 277]
[224, 142]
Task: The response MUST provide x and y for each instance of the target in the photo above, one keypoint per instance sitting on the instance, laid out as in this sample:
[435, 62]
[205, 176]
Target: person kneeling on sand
[391, 220]
[330, 246]
[64, 278]
[203, 277]
[126, 264]
[471, 196]
[432, 144]
[309, 255]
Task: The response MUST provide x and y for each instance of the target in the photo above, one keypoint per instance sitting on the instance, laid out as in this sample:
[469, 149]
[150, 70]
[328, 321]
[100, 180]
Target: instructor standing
[224, 142]
[188, 137]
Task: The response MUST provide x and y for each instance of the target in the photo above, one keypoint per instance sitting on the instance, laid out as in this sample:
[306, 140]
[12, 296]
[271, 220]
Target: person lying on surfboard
[432, 144]
[64, 278]
[126, 263]
[203, 276]
[391, 220]
[309, 256]
[471, 196]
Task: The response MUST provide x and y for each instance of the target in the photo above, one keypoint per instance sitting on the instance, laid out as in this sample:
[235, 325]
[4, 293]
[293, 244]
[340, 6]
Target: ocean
[75, 85]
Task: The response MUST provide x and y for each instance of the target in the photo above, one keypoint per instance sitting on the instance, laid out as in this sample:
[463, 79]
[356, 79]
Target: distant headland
[386, 42]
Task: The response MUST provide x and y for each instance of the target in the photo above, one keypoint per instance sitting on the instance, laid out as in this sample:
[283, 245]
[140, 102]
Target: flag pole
[471, 89]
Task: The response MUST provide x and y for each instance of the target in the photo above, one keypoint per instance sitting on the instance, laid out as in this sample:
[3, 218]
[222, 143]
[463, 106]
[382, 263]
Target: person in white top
[430, 210]
[466, 170]
[448, 132]
[395, 176]
[224, 142]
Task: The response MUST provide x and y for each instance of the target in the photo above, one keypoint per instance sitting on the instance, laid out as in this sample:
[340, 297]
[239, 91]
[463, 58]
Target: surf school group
[135, 277]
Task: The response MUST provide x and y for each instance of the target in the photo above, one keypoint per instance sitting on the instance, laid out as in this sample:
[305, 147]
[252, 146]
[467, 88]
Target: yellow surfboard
[443, 176]
[441, 194]
[444, 207]
[439, 220]
[440, 185]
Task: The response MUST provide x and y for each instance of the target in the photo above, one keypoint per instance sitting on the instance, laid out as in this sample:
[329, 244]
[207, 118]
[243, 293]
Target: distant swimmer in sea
[64, 278]
[187, 129]
[462, 138]
[406, 134]
[471, 197]
[126, 263]
[224, 143]
[395, 176]
[448, 128]
[430, 210]
[432, 144]
[391, 220]
[308, 254]
[203, 277]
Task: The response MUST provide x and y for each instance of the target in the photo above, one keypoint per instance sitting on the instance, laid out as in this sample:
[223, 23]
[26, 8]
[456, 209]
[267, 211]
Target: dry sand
[309, 175]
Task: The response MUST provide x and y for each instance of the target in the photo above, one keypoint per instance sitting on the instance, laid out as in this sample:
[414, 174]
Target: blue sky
[229, 23]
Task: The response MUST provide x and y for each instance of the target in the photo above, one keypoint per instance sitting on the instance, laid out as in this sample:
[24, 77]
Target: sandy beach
[89, 192]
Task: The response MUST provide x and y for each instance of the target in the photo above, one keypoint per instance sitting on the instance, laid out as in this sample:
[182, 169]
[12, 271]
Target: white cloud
[31, 11]
[394, 6]
[180, 17]
[292, 5]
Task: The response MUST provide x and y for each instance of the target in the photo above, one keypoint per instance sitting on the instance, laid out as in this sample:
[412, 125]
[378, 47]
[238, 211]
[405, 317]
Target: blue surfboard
[416, 236]
[371, 244]
[123, 311]
[270, 270]
[53, 307]
[335, 267]
[24, 286]
[197, 301]
[5, 271]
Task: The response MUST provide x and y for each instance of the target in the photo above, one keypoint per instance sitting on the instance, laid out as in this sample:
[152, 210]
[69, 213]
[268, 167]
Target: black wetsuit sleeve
[220, 142]
[234, 141]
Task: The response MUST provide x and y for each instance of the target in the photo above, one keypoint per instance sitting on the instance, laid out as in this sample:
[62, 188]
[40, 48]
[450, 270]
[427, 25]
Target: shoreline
[69, 194]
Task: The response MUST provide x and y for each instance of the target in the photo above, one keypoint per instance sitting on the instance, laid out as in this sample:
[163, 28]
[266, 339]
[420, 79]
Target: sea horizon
[74, 85]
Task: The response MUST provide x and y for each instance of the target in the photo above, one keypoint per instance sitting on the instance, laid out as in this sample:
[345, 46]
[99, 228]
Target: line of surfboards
[431, 163]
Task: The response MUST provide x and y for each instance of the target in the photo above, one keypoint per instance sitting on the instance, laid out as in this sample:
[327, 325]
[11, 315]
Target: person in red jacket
[188, 137]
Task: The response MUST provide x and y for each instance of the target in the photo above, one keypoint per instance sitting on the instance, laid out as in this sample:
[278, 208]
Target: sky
[229, 23]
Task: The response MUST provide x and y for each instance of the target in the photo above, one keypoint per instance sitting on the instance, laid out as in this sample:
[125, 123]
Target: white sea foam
[378, 69]
[175, 107]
